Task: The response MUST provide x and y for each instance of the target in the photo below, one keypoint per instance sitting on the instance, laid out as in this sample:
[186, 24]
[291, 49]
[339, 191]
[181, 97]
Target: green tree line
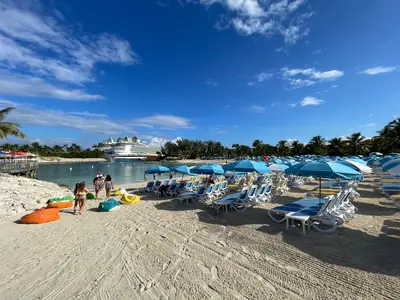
[65, 151]
[386, 141]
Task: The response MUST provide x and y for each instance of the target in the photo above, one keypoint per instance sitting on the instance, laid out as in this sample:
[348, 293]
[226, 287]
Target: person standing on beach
[97, 186]
[80, 197]
[109, 185]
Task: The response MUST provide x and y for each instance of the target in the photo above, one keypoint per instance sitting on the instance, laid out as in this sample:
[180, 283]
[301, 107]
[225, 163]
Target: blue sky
[228, 70]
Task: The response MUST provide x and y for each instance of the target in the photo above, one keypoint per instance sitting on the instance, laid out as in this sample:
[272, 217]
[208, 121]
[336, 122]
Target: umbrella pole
[320, 191]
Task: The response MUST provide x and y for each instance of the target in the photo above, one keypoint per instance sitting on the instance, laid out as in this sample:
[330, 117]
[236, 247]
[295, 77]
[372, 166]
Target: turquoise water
[121, 172]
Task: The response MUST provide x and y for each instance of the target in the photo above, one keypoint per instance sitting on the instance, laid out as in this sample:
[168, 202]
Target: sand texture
[20, 194]
[160, 249]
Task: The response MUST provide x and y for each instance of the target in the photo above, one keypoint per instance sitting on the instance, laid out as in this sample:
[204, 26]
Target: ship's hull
[153, 158]
[131, 157]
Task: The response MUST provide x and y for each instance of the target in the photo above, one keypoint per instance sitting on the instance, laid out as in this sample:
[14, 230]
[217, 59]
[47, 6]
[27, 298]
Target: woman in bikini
[109, 185]
[80, 197]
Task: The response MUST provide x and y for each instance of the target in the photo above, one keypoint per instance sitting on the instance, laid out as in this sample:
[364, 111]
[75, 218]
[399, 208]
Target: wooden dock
[20, 167]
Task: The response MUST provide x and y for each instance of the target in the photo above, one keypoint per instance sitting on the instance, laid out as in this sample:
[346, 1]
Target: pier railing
[19, 166]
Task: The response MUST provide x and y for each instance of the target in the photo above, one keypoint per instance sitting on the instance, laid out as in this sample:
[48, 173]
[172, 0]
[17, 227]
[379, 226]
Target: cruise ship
[129, 148]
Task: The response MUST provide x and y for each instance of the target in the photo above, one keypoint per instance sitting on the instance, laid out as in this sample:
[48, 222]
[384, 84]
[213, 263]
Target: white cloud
[211, 82]
[166, 121]
[257, 109]
[370, 115]
[334, 86]
[28, 86]
[293, 33]
[263, 17]
[310, 101]
[307, 77]
[290, 141]
[260, 77]
[378, 70]
[291, 105]
[89, 114]
[159, 141]
[298, 83]
[29, 115]
[42, 46]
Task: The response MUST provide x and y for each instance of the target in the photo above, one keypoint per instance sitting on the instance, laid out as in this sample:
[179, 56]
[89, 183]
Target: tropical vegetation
[387, 141]
[9, 128]
[65, 151]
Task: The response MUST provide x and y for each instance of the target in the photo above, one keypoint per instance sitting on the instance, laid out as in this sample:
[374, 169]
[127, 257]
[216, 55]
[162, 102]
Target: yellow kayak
[129, 199]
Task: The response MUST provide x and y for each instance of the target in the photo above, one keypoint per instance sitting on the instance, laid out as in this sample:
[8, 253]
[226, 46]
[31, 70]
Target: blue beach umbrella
[185, 170]
[384, 160]
[157, 170]
[208, 169]
[251, 166]
[323, 169]
[230, 166]
[391, 165]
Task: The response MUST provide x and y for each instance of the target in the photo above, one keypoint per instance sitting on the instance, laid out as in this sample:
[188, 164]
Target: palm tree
[335, 147]
[282, 148]
[317, 144]
[9, 128]
[257, 147]
[296, 148]
[355, 143]
[390, 136]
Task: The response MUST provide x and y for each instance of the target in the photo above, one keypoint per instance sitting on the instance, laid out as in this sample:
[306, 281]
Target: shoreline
[59, 160]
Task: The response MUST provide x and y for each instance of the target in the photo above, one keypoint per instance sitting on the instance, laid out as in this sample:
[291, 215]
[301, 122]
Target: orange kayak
[60, 204]
[41, 216]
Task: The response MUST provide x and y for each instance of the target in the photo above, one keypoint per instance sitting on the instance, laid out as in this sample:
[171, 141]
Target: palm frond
[5, 111]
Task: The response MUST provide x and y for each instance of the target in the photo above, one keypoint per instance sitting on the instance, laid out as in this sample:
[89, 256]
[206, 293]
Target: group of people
[99, 183]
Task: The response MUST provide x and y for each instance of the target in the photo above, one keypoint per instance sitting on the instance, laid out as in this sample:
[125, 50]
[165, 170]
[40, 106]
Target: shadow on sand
[350, 248]
[345, 247]
[371, 209]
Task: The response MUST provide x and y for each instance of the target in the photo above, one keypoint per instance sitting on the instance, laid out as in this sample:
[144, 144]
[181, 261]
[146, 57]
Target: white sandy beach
[160, 249]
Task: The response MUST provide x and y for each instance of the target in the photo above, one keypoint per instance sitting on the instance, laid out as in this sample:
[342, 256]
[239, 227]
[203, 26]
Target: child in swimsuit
[80, 197]
[109, 185]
